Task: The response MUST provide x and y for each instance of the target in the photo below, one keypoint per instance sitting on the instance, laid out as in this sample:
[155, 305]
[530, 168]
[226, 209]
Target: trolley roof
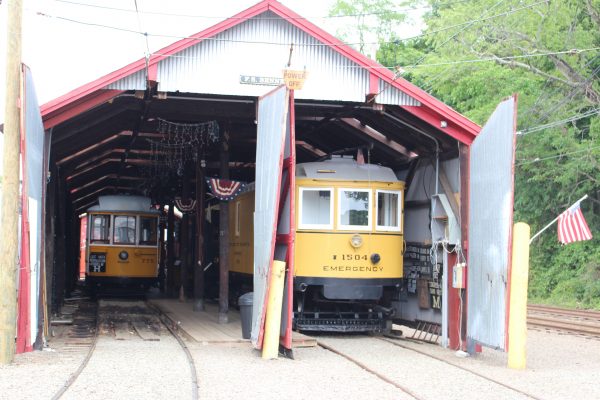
[345, 169]
[120, 203]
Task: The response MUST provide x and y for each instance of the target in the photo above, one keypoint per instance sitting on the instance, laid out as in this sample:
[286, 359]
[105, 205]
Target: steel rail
[371, 371]
[564, 325]
[83, 364]
[167, 322]
[591, 314]
[391, 341]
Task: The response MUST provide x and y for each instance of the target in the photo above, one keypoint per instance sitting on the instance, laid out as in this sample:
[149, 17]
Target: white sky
[64, 55]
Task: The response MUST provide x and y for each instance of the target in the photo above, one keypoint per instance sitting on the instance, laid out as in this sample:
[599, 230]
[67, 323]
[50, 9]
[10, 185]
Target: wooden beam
[445, 182]
[378, 136]
[310, 148]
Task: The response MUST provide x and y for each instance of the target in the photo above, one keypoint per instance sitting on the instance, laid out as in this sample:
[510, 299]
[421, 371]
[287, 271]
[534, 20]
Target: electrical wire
[560, 122]
[570, 51]
[398, 11]
[320, 44]
[559, 155]
[468, 24]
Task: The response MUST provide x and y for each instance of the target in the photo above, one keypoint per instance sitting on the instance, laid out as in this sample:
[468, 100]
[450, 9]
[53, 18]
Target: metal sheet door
[32, 199]
[271, 135]
[491, 189]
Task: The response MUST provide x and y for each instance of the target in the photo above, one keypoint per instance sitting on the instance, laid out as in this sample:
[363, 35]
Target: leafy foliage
[472, 54]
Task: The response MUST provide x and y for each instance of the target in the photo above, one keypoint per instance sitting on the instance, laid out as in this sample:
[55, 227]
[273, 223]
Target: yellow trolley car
[122, 242]
[348, 260]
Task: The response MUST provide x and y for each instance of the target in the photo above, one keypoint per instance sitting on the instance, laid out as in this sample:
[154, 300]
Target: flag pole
[555, 219]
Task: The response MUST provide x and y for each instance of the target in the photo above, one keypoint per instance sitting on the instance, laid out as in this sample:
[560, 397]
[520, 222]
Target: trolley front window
[100, 229]
[316, 208]
[148, 231]
[388, 210]
[354, 209]
[124, 230]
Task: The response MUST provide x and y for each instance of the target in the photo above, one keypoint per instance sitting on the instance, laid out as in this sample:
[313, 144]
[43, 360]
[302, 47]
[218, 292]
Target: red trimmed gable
[431, 110]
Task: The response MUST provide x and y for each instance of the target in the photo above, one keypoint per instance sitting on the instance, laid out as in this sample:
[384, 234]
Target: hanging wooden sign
[294, 79]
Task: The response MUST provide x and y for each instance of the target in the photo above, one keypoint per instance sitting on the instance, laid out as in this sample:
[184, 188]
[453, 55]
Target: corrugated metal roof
[431, 110]
[216, 65]
[391, 95]
[135, 81]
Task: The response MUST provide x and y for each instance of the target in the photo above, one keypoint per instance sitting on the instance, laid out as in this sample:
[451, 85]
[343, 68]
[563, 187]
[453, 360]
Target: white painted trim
[384, 228]
[300, 208]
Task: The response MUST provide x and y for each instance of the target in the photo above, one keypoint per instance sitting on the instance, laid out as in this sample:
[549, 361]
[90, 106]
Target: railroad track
[396, 342]
[577, 322]
[105, 324]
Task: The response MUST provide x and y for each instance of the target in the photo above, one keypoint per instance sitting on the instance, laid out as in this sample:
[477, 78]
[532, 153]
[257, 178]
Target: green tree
[470, 55]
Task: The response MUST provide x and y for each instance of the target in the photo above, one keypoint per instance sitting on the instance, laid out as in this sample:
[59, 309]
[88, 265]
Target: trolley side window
[354, 209]
[124, 229]
[148, 231]
[316, 208]
[388, 210]
[100, 229]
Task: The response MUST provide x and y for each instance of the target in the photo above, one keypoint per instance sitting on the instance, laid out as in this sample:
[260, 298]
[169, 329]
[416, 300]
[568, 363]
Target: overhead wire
[569, 51]
[556, 155]
[161, 13]
[559, 122]
[330, 44]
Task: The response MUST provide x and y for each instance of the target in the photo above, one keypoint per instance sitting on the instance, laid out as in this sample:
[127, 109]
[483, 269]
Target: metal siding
[136, 81]
[490, 220]
[214, 66]
[391, 95]
[272, 115]
[34, 149]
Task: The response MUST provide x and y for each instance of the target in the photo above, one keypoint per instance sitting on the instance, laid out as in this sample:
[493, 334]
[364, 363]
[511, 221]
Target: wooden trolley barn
[159, 127]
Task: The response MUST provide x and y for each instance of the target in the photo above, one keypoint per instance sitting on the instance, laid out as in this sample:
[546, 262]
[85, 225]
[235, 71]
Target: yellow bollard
[517, 321]
[273, 317]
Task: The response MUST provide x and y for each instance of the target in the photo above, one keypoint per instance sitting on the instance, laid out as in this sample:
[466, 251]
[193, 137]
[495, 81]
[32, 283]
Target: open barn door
[33, 167]
[491, 193]
[273, 216]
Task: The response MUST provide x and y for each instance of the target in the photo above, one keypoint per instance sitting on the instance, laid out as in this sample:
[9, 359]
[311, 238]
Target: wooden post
[184, 239]
[9, 218]
[50, 215]
[60, 267]
[170, 249]
[199, 264]
[161, 241]
[224, 235]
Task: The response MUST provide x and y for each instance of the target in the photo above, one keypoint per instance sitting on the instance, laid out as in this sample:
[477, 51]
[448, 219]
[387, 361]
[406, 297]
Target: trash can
[245, 302]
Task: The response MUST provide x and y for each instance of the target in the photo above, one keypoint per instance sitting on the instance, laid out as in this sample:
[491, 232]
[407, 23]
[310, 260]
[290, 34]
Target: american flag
[572, 226]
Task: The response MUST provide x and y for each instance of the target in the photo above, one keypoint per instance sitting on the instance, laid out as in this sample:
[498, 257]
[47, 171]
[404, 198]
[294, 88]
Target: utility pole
[9, 218]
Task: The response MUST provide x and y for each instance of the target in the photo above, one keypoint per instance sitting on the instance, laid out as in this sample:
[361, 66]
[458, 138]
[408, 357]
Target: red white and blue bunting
[224, 189]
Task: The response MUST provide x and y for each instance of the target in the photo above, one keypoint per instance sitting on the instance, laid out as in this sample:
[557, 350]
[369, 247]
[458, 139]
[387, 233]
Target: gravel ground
[427, 378]
[558, 367]
[237, 371]
[39, 374]
[134, 369]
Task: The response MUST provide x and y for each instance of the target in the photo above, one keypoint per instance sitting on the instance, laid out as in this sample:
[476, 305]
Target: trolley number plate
[97, 262]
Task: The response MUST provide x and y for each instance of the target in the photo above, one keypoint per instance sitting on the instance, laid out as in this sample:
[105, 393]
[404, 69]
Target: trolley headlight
[123, 255]
[356, 241]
